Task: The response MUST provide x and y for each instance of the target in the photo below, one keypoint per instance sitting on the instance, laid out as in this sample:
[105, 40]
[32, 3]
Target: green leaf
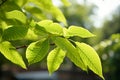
[47, 6]
[79, 31]
[14, 32]
[66, 2]
[21, 3]
[58, 15]
[16, 14]
[54, 59]
[65, 33]
[31, 35]
[11, 54]
[11, 5]
[71, 51]
[36, 12]
[90, 58]
[36, 51]
[49, 26]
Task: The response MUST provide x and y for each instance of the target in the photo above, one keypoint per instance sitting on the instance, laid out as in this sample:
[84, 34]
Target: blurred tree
[79, 14]
[109, 50]
[112, 26]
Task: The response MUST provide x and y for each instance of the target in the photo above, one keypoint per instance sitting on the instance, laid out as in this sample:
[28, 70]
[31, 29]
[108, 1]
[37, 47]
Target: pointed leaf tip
[11, 54]
[90, 58]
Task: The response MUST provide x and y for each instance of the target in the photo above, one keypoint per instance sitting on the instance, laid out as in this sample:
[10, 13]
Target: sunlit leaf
[49, 26]
[48, 7]
[31, 35]
[15, 32]
[35, 12]
[71, 51]
[66, 2]
[90, 58]
[18, 15]
[11, 54]
[79, 31]
[65, 33]
[36, 51]
[58, 15]
[20, 2]
[54, 59]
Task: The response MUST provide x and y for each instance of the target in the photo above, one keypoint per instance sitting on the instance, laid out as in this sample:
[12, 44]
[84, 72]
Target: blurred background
[101, 17]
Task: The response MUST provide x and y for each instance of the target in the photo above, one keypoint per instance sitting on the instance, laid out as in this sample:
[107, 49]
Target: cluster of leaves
[24, 19]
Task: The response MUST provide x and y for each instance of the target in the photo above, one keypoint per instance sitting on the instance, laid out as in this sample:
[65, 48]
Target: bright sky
[105, 8]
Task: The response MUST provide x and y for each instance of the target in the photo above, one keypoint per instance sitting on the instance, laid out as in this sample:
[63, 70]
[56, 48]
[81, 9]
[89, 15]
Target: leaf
[90, 58]
[35, 12]
[11, 54]
[54, 59]
[66, 2]
[11, 5]
[47, 6]
[58, 15]
[79, 31]
[16, 14]
[71, 51]
[50, 27]
[31, 35]
[14, 32]
[36, 51]
[21, 3]
[65, 33]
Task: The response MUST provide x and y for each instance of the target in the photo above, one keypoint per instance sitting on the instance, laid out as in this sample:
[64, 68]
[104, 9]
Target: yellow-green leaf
[54, 59]
[71, 51]
[50, 27]
[11, 54]
[90, 58]
[66, 2]
[36, 51]
[47, 6]
[16, 14]
[79, 31]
